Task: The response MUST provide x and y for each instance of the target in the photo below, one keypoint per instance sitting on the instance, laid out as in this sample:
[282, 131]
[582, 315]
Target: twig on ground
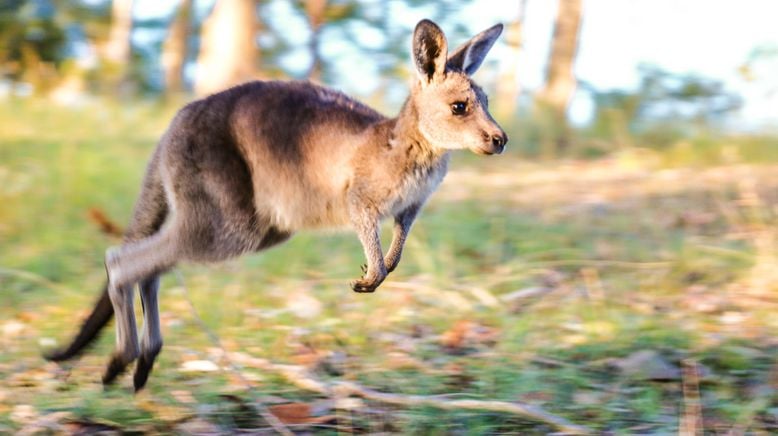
[547, 361]
[525, 293]
[300, 377]
[261, 408]
[691, 421]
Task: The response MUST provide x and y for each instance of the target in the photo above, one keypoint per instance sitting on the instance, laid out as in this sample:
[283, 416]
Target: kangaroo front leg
[151, 339]
[366, 226]
[126, 334]
[402, 226]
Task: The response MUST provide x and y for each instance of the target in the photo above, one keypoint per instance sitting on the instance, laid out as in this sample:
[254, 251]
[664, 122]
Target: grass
[644, 250]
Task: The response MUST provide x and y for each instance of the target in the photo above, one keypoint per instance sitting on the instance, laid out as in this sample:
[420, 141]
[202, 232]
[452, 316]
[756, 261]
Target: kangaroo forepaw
[364, 285]
[363, 267]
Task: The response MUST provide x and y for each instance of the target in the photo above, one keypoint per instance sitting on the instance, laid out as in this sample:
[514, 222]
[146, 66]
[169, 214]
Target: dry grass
[576, 287]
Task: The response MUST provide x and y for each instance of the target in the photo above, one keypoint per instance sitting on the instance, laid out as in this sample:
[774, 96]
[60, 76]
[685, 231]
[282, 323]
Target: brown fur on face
[244, 169]
[473, 130]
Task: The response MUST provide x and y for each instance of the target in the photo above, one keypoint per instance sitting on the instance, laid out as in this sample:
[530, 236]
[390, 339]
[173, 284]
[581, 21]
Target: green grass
[657, 253]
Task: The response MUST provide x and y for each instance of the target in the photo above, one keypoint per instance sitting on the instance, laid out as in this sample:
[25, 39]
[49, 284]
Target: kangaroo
[244, 169]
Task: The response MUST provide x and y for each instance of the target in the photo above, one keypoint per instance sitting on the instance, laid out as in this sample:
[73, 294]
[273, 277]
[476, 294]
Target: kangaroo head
[452, 110]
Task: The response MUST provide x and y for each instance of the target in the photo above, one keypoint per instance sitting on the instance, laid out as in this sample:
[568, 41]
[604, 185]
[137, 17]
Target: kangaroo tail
[101, 314]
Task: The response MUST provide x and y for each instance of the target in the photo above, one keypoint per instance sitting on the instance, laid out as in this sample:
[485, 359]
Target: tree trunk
[508, 85]
[315, 11]
[560, 79]
[228, 50]
[174, 51]
[117, 50]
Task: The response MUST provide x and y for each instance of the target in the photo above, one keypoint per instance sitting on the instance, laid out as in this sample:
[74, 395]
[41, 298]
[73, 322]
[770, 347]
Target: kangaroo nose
[499, 141]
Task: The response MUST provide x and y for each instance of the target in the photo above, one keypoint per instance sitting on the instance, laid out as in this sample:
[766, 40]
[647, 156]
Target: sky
[712, 38]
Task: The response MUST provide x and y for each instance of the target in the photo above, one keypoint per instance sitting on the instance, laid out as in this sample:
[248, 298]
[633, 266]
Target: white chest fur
[417, 185]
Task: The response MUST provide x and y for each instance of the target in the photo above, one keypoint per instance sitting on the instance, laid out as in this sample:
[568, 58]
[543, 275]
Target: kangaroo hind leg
[150, 213]
[137, 262]
[151, 338]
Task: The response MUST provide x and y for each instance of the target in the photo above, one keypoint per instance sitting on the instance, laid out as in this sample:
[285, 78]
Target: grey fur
[244, 169]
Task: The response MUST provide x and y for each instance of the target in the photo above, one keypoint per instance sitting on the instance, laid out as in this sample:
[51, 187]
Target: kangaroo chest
[417, 184]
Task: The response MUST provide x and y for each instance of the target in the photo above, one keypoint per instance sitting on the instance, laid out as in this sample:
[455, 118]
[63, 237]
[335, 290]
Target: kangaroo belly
[296, 203]
[302, 213]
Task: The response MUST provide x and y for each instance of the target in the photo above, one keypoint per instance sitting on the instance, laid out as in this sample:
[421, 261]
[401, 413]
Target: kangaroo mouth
[485, 151]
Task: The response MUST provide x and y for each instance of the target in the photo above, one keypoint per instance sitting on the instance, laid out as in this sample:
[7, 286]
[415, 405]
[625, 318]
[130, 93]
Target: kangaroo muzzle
[494, 143]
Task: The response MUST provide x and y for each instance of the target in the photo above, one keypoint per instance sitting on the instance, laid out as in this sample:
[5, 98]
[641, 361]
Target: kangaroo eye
[459, 108]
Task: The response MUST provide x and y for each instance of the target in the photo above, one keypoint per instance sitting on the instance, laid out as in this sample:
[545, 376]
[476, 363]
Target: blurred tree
[508, 86]
[117, 51]
[314, 10]
[666, 96]
[560, 79]
[32, 43]
[228, 50]
[174, 50]
[661, 108]
[375, 30]
[761, 65]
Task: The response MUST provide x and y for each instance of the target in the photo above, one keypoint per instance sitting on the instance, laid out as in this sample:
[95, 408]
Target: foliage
[664, 108]
[29, 35]
[37, 38]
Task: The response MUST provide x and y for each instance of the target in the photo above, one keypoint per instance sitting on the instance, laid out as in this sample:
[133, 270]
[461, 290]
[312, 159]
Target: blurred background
[616, 267]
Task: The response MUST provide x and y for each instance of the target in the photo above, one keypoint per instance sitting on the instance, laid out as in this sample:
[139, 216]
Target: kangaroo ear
[429, 51]
[469, 56]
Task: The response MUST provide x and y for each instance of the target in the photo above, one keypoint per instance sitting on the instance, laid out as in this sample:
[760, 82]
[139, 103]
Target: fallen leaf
[401, 360]
[13, 328]
[183, 397]
[199, 426]
[589, 398]
[468, 334]
[198, 366]
[691, 219]
[47, 342]
[51, 423]
[28, 316]
[333, 363]
[34, 377]
[23, 414]
[298, 413]
[161, 411]
[536, 397]
[457, 376]
[304, 305]
[349, 403]
[732, 317]
[306, 355]
[647, 365]
[455, 336]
